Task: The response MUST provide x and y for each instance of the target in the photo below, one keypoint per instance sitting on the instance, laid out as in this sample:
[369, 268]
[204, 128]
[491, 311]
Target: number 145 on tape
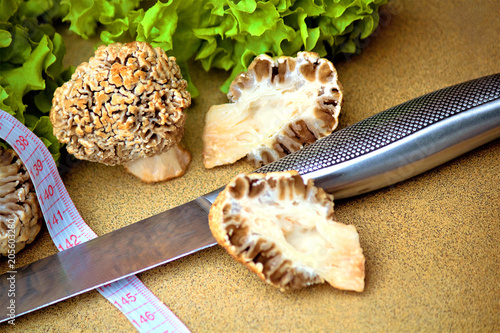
[67, 229]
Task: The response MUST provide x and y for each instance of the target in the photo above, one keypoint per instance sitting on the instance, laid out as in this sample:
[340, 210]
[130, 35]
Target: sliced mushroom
[275, 108]
[284, 230]
[20, 214]
[127, 103]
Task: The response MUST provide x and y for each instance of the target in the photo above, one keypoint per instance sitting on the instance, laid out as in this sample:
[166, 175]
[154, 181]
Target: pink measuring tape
[67, 229]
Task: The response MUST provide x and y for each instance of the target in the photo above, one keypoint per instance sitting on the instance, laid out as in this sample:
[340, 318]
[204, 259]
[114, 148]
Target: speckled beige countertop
[431, 243]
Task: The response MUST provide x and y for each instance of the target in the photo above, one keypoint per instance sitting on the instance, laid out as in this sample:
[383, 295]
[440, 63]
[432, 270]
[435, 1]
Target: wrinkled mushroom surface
[277, 107]
[284, 230]
[20, 214]
[126, 103]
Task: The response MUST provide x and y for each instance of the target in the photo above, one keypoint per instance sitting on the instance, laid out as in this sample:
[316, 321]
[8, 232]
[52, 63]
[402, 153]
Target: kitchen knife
[381, 150]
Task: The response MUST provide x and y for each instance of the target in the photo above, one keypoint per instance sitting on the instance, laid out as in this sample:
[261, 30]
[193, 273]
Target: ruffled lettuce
[224, 34]
[228, 34]
[85, 15]
[31, 64]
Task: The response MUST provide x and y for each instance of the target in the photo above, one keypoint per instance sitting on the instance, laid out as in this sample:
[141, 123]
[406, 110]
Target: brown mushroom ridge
[20, 214]
[284, 230]
[126, 103]
[276, 107]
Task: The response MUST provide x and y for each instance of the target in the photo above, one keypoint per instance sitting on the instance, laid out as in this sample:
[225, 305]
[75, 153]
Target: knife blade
[381, 150]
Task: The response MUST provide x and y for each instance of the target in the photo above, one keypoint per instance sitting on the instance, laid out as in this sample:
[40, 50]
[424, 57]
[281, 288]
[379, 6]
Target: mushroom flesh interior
[294, 223]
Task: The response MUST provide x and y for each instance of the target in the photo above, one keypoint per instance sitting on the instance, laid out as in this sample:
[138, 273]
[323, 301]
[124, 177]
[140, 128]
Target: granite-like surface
[431, 243]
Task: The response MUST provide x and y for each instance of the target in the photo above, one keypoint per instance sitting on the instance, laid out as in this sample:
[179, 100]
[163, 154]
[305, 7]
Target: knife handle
[402, 141]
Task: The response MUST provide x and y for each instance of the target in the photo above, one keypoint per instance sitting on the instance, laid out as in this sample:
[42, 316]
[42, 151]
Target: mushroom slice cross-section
[284, 230]
[20, 214]
[127, 103]
[276, 107]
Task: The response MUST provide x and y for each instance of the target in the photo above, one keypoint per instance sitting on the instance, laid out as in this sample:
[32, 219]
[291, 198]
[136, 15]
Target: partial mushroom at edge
[20, 214]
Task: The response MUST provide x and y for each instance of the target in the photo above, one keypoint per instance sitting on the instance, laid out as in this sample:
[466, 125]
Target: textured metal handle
[402, 141]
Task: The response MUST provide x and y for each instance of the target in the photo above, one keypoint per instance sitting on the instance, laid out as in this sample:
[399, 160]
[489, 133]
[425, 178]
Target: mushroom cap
[126, 103]
[284, 230]
[20, 214]
[277, 107]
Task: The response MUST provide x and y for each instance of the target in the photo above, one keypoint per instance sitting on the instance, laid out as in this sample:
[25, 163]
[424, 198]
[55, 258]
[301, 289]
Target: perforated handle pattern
[382, 131]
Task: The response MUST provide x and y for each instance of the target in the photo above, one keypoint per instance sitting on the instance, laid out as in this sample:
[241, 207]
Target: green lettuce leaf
[223, 34]
[228, 34]
[31, 64]
[85, 15]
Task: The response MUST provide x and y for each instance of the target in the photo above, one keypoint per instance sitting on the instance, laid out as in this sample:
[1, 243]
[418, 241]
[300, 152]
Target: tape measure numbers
[67, 229]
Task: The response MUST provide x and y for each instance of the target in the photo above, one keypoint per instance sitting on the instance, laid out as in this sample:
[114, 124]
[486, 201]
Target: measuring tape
[67, 229]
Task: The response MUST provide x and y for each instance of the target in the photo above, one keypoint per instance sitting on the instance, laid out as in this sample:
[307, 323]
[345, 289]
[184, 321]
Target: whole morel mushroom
[126, 107]
[284, 230]
[20, 214]
[276, 108]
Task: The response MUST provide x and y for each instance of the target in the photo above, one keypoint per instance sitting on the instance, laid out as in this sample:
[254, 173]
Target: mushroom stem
[170, 164]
